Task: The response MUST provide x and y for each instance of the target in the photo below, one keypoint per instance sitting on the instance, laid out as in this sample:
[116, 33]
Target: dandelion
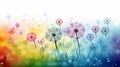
[41, 41]
[59, 22]
[54, 34]
[95, 29]
[107, 20]
[90, 37]
[105, 30]
[11, 30]
[31, 37]
[76, 30]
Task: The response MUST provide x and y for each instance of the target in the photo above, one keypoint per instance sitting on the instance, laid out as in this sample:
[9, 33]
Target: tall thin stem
[42, 49]
[78, 44]
[60, 29]
[96, 34]
[56, 47]
[34, 43]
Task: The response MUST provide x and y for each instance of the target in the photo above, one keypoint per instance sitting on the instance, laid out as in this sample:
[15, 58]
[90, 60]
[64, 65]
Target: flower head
[107, 20]
[90, 36]
[75, 29]
[11, 30]
[59, 21]
[53, 33]
[17, 25]
[105, 30]
[41, 41]
[95, 29]
[31, 36]
[93, 47]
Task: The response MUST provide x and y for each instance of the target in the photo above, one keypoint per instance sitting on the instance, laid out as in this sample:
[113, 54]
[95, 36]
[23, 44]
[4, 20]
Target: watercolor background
[18, 18]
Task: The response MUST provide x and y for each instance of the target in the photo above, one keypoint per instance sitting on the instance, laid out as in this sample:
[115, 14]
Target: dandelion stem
[96, 35]
[60, 29]
[34, 44]
[42, 49]
[78, 44]
[56, 47]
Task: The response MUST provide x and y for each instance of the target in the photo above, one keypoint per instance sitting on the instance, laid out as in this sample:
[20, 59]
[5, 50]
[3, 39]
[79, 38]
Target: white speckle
[1, 63]
[115, 64]
[69, 61]
[88, 60]
[108, 60]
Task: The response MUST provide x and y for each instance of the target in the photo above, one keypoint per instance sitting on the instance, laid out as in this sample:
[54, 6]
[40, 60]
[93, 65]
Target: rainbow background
[17, 51]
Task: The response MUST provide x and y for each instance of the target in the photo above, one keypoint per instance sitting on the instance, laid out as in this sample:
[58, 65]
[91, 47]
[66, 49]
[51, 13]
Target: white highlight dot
[115, 64]
[88, 60]
[1, 63]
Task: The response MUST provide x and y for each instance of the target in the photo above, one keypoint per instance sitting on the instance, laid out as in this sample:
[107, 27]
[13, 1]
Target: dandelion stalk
[78, 44]
[34, 43]
[96, 35]
[60, 29]
[56, 44]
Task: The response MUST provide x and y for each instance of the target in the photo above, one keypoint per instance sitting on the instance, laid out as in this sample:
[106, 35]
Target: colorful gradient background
[16, 50]
[38, 16]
